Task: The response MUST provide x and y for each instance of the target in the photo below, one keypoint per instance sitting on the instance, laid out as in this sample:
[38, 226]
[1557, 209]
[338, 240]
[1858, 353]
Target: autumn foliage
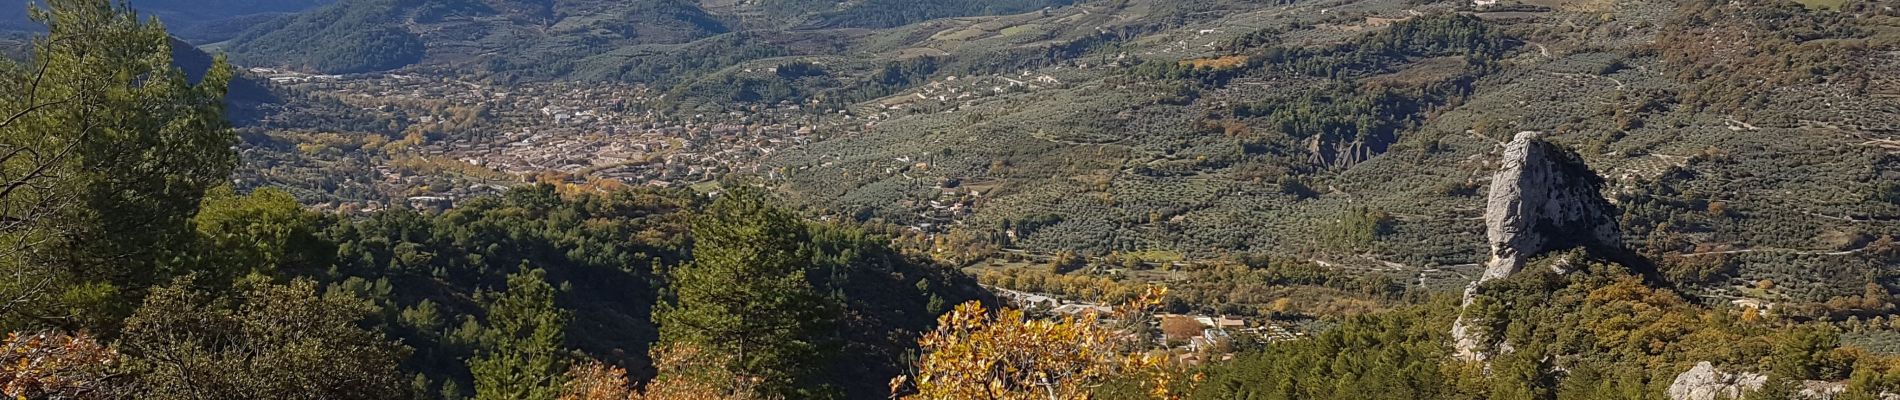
[54, 365]
[686, 373]
[976, 353]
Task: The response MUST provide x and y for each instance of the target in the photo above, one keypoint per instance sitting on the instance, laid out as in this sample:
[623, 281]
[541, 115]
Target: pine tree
[520, 347]
[105, 150]
[264, 232]
[746, 295]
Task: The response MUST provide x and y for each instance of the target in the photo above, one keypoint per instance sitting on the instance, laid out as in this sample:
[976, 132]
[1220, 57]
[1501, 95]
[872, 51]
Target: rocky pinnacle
[1542, 198]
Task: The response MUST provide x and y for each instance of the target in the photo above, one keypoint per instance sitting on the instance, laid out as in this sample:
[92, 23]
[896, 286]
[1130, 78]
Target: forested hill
[798, 14]
[522, 36]
[198, 21]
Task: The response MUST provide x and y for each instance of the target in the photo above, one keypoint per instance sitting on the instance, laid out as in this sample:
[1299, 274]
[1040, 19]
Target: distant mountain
[371, 35]
[245, 96]
[544, 37]
[197, 21]
[347, 37]
[890, 13]
[808, 14]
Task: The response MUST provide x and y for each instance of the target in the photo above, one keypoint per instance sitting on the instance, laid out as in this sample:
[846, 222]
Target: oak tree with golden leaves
[686, 373]
[977, 353]
[56, 365]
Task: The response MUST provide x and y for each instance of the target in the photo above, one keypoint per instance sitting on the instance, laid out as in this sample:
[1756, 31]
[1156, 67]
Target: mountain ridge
[198, 22]
[506, 35]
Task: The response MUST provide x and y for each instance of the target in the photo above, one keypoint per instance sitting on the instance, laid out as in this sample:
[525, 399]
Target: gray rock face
[1704, 382]
[1543, 198]
[1824, 390]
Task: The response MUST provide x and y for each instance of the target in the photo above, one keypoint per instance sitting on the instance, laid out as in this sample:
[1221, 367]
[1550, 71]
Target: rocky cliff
[1705, 382]
[1708, 382]
[1543, 198]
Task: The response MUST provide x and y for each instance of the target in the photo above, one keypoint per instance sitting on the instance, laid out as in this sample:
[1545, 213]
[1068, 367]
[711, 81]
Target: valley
[1132, 136]
[956, 199]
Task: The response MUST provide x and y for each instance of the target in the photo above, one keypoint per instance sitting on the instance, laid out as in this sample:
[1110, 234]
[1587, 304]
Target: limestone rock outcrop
[1705, 382]
[1542, 198]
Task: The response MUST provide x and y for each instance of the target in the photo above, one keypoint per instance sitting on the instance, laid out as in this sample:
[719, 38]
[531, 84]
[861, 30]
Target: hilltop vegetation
[1597, 332]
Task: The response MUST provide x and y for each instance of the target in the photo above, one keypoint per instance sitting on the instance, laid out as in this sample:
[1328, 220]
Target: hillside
[581, 38]
[810, 14]
[195, 21]
[1279, 129]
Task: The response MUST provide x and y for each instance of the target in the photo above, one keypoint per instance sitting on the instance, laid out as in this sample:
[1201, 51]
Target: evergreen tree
[105, 151]
[520, 356]
[264, 232]
[746, 294]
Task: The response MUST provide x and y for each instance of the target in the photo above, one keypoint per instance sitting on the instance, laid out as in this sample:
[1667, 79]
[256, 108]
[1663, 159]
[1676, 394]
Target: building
[1079, 309]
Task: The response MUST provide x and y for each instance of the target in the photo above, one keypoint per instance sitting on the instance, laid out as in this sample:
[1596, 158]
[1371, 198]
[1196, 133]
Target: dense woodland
[337, 39]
